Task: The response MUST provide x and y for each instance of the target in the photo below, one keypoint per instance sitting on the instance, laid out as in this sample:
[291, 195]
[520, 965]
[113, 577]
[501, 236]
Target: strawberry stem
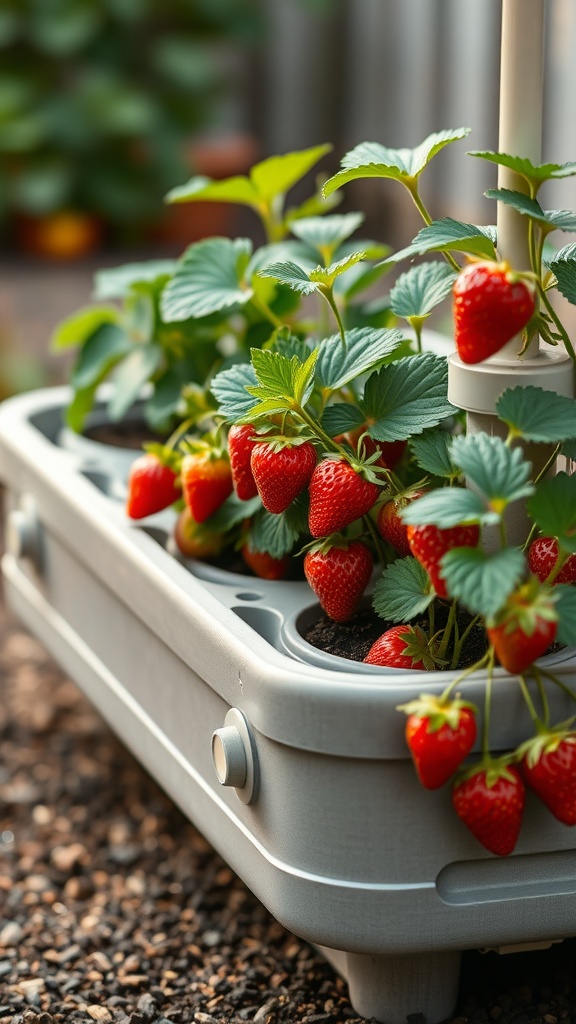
[559, 682]
[530, 703]
[462, 675]
[543, 696]
[441, 653]
[328, 294]
[556, 320]
[459, 643]
[412, 187]
[487, 706]
[376, 539]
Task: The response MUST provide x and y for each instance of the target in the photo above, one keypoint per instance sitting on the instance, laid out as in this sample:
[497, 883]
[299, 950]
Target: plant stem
[487, 707]
[559, 682]
[559, 325]
[329, 296]
[548, 464]
[543, 696]
[529, 703]
[376, 539]
[266, 312]
[462, 640]
[414, 192]
[462, 675]
[447, 630]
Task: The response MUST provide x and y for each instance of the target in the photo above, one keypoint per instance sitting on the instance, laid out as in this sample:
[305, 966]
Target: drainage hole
[249, 595]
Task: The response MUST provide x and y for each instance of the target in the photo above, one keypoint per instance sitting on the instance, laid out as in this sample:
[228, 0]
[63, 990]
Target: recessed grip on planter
[234, 756]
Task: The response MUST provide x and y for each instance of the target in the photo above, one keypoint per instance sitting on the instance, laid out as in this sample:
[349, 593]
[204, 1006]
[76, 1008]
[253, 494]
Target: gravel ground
[113, 908]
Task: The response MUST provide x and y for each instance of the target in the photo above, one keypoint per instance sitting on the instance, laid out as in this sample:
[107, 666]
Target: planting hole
[265, 621]
[248, 595]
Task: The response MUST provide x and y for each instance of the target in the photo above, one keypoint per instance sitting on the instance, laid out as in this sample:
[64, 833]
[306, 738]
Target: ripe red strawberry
[264, 565]
[339, 575]
[439, 736]
[401, 647]
[491, 304]
[206, 481]
[549, 768]
[338, 496]
[195, 540]
[390, 451]
[490, 799]
[281, 473]
[542, 557]
[525, 627]
[391, 527]
[240, 447]
[152, 487]
[429, 543]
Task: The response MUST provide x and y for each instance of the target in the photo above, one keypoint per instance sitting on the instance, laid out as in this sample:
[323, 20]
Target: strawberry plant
[344, 450]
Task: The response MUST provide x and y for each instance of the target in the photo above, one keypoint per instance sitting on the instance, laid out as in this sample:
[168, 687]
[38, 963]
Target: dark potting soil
[353, 639]
[114, 909]
[125, 434]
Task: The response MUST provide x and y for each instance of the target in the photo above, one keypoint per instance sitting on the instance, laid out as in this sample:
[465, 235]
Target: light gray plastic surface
[340, 841]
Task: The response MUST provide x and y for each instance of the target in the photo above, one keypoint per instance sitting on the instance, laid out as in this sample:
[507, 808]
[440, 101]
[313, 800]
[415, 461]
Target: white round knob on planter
[234, 756]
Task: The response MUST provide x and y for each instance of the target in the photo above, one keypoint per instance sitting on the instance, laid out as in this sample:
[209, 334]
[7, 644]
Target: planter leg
[390, 988]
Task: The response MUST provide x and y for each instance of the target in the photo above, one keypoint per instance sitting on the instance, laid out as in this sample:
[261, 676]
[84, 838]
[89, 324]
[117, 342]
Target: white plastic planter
[294, 766]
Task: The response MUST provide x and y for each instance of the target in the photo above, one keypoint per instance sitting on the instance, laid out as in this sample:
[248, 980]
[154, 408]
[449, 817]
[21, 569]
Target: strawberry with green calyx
[489, 799]
[548, 765]
[389, 453]
[338, 572]
[543, 558]
[341, 491]
[491, 304]
[429, 544]
[390, 525]
[240, 446]
[525, 627]
[194, 539]
[263, 564]
[153, 482]
[403, 646]
[282, 468]
[440, 734]
[206, 478]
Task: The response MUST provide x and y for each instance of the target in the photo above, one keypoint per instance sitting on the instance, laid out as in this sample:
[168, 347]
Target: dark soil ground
[114, 909]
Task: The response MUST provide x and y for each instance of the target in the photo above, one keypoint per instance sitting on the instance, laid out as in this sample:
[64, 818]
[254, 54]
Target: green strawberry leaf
[80, 406]
[403, 591]
[566, 608]
[448, 235]
[563, 266]
[447, 507]
[288, 250]
[482, 581]
[209, 278]
[74, 330]
[275, 374]
[406, 397]
[275, 534]
[372, 160]
[537, 415]
[201, 189]
[553, 508]
[103, 349]
[117, 282]
[303, 377]
[165, 399]
[534, 174]
[229, 388]
[288, 345]
[326, 234]
[418, 291]
[326, 276]
[232, 512]
[130, 376]
[432, 453]
[500, 474]
[278, 174]
[341, 417]
[563, 220]
[365, 350]
[290, 273]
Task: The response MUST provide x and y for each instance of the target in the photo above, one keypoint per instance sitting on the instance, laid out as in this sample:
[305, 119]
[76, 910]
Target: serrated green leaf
[403, 591]
[563, 266]
[103, 349]
[432, 453]
[209, 278]
[131, 374]
[326, 276]
[365, 349]
[275, 534]
[553, 508]
[482, 582]
[372, 160]
[448, 235]
[289, 345]
[562, 220]
[117, 282]
[232, 512]
[274, 374]
[278, 174]
[238, 189]
[534, 174]
[341, 417]
[303, 377]
[291, 274]
[229, 388]
[566, 608]
[499, 473]
[327, 233]
[287, 251]
[418, 291]
[537, 415]
[74, 330]
[446, 507]
[406, 397]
